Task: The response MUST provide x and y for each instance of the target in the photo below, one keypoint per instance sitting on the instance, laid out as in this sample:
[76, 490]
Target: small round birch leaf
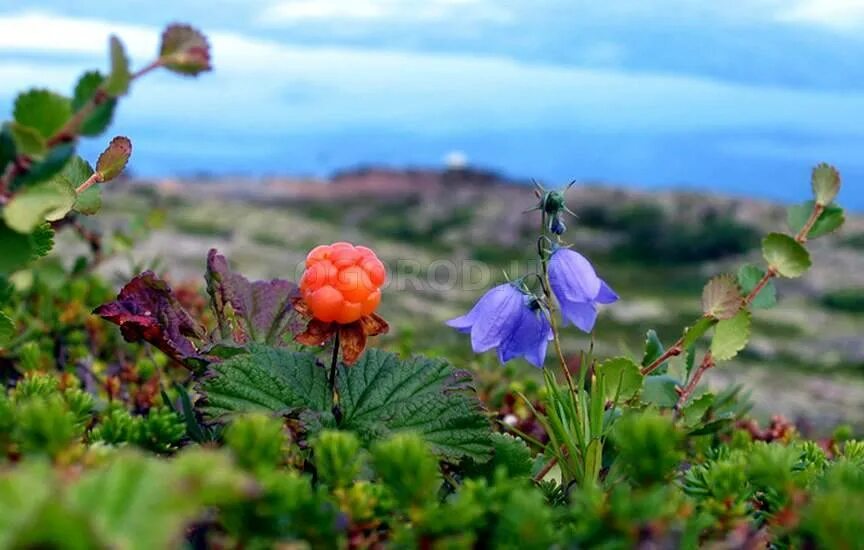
[826, 183]
[748, 277]
[622, 378]
[42, 110]
[117, 83]
[831, 219]
[28, 141]
[785, 255]
[184, 50]
[731, 336]
[31, 207]
[721, 297]
[113, 160]
[100, 118]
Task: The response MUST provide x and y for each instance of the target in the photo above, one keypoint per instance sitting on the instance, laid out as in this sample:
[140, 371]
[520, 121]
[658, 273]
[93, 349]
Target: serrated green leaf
[382, 394]
[113, 159]
[830, 220]
[45, 201]
[748, 277]
[100, 118]
[510, 454]
[696, 409]
[696, 331]
[7, 329]
[379, 395]
[721, 297]
[42, 110]
[15, 249]
[825, 182]
[653, 349]
[731, 336]
[266, 379]
[622, 378]
[41, 241]
[785, 255]
[660, 391]
[184, 50]
[28, 141]
[117, 83]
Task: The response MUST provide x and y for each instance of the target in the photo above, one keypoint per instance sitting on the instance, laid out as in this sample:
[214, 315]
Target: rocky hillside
[447, 234]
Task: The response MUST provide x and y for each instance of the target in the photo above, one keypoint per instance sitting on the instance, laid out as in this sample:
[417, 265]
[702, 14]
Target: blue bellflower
[508, 319]
[577, 288]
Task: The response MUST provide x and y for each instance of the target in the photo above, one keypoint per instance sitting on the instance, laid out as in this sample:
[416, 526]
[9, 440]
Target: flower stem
[334, 362]
[550, 303]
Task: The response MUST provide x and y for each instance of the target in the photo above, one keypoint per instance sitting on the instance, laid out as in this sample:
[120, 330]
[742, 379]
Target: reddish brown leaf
[146, 309]
[261, 311]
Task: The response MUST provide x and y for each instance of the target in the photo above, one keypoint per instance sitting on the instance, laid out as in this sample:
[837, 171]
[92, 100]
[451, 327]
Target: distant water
[738, 165]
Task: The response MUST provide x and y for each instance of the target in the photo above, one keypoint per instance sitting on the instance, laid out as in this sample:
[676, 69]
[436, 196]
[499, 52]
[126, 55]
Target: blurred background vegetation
[656, 249]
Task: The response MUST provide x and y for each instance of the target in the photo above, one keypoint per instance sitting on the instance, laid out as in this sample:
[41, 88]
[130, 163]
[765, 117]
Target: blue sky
[739, 97]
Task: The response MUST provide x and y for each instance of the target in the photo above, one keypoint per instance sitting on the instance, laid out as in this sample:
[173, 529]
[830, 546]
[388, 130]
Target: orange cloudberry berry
[342, 282]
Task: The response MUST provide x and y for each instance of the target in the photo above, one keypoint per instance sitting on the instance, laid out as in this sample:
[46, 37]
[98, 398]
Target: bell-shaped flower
[577, 288]
[510, 319]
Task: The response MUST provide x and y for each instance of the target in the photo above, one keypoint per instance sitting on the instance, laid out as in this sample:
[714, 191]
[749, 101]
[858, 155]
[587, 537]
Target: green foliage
[257, 441]
[227, 435]
[85, 91]
[826, 183]
[647, 446]
[785, 256]
[43, 111]
[337, 457]
[378, 396]
[748, 277]
[731, 336]
[407, 466]
[50, 201]
[623, 379]
[831, 218]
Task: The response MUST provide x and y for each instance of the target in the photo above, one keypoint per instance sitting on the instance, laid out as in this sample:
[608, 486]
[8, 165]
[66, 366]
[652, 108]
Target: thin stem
[94, 178]
[673, 351]
[550, 303]
[706, 364]
[545, 469]
[146, 69]
[73, 125]
[334, 361]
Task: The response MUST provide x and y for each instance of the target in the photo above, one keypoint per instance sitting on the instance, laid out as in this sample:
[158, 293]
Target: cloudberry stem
[334, 361]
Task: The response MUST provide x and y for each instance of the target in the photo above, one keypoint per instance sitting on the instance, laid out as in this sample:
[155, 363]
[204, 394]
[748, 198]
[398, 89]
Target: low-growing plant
[262, 416]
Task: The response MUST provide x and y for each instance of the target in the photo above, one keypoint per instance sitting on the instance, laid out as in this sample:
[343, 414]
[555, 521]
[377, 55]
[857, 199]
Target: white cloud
[262, 87]
[291, 11]
[839, 14]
